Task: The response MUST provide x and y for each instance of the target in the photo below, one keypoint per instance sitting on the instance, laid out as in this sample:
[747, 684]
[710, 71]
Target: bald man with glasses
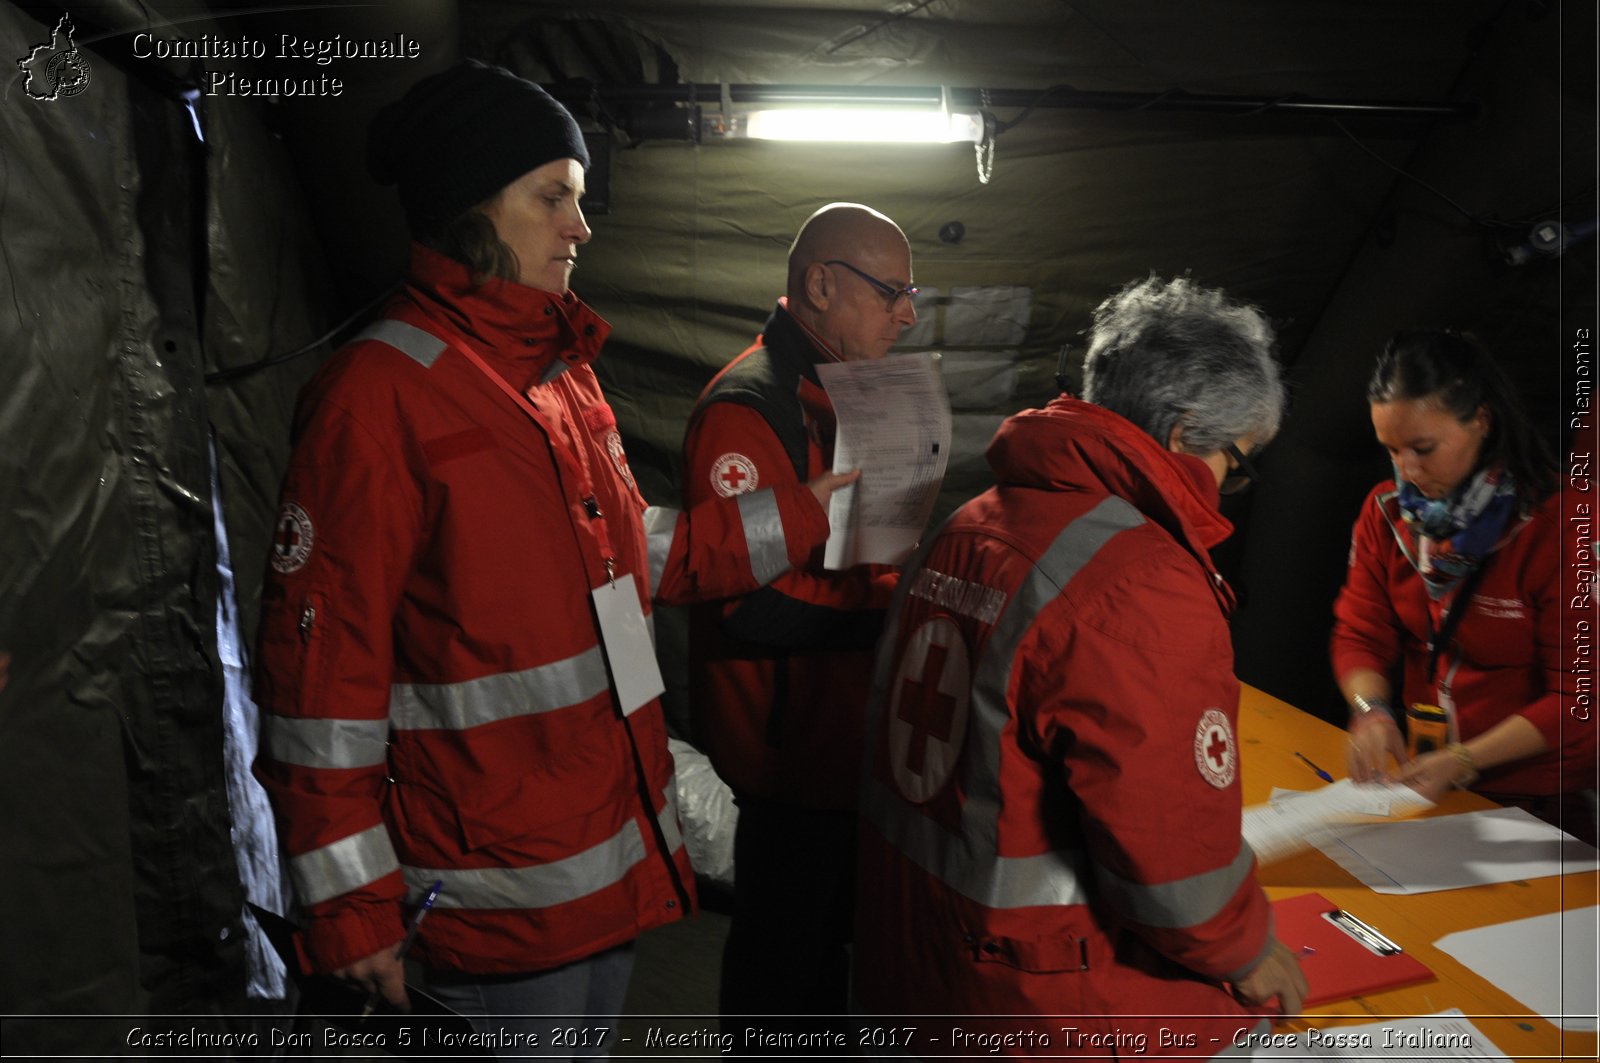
[779, 677]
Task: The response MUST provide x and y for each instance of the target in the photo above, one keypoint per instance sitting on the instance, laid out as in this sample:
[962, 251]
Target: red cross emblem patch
[928, 709]
[1215, 752]
[292, 539]
[619, 457]
[734, 474]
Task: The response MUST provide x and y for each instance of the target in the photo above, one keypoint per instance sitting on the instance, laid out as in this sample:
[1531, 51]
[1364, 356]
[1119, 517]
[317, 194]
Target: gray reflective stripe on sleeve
[1178, 904]
[539, 885]
[325, 743]
[971, 864]
[668, 817]
[763, 535]
[660, 526]
[458, 706]
[422, 347]
[1055, 877]
[345, 865]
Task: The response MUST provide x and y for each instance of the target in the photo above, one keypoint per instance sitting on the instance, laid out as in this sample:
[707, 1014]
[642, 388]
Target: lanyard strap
[1460, 602]
[584, 484]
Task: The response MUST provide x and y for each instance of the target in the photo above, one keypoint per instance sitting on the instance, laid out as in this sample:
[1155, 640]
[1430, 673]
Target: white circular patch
[1215, 752]
[928, 709]
[734, 474]
[619, 457]
[292, 539]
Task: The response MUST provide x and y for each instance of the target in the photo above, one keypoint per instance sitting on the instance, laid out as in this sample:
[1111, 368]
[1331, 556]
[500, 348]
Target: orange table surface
[1270, 733]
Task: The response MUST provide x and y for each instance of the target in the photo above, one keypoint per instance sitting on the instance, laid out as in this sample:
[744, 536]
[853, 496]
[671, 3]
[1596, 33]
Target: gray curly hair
[1161, 352]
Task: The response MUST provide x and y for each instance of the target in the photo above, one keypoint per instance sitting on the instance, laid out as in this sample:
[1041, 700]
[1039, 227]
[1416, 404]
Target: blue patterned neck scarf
[1454, 534]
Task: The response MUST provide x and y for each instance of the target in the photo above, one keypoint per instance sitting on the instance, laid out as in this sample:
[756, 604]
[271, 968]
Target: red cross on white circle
[928, 709]
[1215, 752]
[733, 474]
[291, 544]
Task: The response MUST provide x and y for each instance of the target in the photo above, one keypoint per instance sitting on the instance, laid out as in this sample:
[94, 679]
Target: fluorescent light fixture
[883, 125]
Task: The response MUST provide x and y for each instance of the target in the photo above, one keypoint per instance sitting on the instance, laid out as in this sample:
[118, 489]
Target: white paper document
[1546, 962]
[894, 425]
[1445, 1035]
[1449, 852]
[1294, 820]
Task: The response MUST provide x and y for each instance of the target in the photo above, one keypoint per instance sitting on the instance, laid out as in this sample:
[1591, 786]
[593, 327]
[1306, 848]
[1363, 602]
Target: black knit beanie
[459, 136]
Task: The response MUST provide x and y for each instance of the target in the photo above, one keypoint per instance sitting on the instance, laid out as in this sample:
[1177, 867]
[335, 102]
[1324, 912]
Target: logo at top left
[57, 68]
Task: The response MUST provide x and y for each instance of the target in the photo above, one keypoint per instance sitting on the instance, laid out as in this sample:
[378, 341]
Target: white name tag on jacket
[630, 652]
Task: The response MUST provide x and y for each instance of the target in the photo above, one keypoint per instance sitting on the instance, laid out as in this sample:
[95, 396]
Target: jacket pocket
[528, 809]
[1050, 954]
[294, 650]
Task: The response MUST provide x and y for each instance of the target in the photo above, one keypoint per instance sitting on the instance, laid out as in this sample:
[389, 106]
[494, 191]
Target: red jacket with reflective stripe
[1512, 653]
[1051, 809]
[778, 677]
[438, 701]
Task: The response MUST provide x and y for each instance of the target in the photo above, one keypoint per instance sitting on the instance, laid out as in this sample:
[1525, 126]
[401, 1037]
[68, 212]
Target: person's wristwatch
[1366, 707]
[1466, 766]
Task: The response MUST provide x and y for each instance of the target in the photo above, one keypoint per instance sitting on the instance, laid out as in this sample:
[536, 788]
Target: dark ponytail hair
[1456, 372]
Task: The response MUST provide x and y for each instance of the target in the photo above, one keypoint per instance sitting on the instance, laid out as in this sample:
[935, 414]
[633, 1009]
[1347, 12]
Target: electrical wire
[222, 376]
[1488, 223]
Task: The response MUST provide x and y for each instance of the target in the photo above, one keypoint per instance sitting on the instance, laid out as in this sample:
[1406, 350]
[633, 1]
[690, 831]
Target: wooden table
[1270, 733]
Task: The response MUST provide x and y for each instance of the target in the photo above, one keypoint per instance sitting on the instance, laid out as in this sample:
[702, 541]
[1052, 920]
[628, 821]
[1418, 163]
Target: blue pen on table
[1324, 776]
[405, 943]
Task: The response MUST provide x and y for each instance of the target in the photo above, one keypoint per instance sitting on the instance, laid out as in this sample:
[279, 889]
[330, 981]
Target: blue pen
[1324, 776]
[411, 935]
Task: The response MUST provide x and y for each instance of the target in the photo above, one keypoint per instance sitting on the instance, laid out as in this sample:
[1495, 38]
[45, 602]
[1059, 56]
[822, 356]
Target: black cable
[222, 376]
[1003, 126]
[1475, 219]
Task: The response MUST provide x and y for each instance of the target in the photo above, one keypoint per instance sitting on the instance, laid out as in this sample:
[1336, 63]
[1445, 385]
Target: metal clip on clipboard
[1363, 932]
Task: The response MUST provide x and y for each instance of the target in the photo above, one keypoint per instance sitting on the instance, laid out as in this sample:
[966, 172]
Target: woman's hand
[1374, 741]
[1433, 773]
[1277, 975]
[380, 975]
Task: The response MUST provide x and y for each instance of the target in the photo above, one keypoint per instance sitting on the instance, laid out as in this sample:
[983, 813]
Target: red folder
[1337, 965]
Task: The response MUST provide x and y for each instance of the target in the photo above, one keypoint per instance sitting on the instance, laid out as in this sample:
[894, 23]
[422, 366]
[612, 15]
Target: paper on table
[1445, 1035]
[1294, 819]
[1449, 852]
[894, 425]
[1547, 962]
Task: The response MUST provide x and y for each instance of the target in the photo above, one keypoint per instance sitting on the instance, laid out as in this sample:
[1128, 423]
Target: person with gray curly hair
[1051, 804]
[1187, 364]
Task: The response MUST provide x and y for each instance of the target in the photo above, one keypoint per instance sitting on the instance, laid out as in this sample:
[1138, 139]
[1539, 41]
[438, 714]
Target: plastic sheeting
[132, 254]
[709, 815]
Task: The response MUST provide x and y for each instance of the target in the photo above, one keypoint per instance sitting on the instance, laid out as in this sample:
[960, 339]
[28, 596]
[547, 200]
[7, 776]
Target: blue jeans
[571, 1011]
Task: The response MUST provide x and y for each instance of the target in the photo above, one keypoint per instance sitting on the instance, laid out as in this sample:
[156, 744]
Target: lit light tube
[884, 125]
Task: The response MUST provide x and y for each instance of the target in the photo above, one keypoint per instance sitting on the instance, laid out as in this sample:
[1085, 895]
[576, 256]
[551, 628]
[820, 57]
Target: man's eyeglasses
[1241, 474]
[891, 294]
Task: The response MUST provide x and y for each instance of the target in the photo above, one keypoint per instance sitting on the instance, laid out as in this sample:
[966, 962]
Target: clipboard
[1340, 963]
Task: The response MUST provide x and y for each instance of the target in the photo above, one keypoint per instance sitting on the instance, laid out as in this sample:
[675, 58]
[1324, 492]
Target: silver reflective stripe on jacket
[422, 347]
[970, 862]
[458, 706]
[344, 865]
[660, 526]
[1186, 902]
[763, 535]
[557, 882]
[325, 743]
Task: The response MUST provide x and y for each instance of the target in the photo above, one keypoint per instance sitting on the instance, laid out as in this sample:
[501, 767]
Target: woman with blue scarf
[1455, 587]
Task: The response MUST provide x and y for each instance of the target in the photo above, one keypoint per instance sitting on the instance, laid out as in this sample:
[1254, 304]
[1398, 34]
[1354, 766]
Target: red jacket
[1052, 805]
[1512, 653]
[779, 677]
[438, 700]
